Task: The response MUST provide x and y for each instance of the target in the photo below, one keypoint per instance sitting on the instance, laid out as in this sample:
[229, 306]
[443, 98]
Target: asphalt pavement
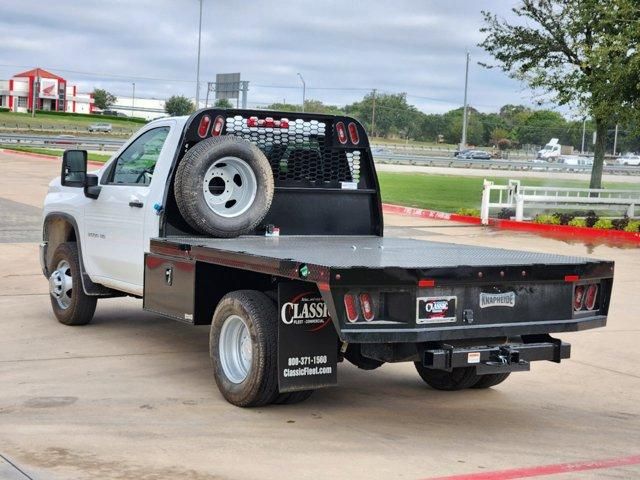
[131, 396]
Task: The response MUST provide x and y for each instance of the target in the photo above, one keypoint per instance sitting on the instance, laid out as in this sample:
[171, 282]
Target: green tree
[394, 117]
[475, 129]
[103, 99]
[178, 105]
[579, 52]
[540, 127]
[223, 103]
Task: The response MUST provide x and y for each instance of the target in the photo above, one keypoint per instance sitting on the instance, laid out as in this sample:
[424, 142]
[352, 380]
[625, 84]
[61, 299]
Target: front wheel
[457, 379]
[70, 304]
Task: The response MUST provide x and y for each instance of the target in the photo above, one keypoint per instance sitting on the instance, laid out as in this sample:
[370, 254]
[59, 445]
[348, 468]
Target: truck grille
[302, 154]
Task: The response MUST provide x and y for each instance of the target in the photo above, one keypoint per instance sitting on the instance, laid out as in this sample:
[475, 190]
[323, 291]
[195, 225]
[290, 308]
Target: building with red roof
[46, 90]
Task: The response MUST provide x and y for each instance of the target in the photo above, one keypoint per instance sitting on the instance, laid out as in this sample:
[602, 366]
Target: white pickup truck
[271, 230]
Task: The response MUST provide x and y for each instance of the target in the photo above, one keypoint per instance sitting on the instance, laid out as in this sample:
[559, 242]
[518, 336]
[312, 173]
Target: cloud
[342, 48]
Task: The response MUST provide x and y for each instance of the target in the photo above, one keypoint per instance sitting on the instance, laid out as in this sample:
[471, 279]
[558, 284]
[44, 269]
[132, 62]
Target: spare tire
[224, 186]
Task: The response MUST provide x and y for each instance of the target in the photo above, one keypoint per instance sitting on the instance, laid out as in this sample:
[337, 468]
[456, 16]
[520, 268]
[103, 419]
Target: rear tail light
[351, 307]
[585, 297]
[578, 298]
[353, 133]
[366, 305]
[217, 126]
[342, 132]
[203, 127]
[590, 297]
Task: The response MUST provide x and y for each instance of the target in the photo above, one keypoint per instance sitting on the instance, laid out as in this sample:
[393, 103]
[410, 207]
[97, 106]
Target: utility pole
[245, 89]
[206, 100]
[36, 87]
[463, 142]
[584, 130]
[133, 98]
[373, 115]
[615, 141]
[198, 67]
[304, 91]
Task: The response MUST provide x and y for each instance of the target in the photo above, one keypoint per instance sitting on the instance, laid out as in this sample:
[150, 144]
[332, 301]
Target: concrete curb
[556, 231]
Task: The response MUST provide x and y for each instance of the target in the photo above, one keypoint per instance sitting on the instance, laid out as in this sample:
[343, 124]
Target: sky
[342, 48]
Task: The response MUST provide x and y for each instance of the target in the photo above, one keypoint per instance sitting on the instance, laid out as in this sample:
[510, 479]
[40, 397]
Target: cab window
[136, 164]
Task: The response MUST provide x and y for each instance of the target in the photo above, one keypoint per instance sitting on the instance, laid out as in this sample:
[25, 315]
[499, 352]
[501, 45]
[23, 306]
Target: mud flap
[307, 340]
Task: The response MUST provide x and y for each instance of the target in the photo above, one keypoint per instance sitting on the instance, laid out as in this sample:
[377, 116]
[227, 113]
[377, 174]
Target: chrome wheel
[61, 284]
[235, 349]
[230, 187]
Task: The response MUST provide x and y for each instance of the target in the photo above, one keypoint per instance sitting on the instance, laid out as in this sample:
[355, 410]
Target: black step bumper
[496, 359]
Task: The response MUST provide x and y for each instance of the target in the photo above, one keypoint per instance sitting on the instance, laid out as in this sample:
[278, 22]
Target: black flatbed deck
[361, 252]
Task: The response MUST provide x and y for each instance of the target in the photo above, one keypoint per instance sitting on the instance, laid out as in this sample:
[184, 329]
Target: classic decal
[436, 310]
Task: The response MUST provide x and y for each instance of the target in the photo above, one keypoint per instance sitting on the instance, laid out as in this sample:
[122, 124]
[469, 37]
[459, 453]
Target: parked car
[629, 159]
[475, 155]
[100, 127]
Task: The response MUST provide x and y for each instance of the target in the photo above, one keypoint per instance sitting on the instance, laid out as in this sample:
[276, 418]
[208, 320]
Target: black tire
[491, 380]
[259, 314]
[190, 178]
[292, 397]
[458, 379]
[80, 307]
[354, 355]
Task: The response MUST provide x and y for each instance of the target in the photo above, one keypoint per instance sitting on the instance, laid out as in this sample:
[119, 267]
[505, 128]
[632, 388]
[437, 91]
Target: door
[113, 243]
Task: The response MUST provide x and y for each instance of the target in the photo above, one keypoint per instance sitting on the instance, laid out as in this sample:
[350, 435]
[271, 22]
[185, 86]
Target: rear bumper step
[496, 359]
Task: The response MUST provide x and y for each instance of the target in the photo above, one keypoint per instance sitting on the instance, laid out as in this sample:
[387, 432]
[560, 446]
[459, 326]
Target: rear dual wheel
[458, 378]
[243, 345]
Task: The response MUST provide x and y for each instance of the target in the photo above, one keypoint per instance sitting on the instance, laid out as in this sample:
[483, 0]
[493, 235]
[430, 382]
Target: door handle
[136, 203]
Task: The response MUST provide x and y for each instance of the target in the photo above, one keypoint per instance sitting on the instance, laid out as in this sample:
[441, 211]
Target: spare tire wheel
[224, 186]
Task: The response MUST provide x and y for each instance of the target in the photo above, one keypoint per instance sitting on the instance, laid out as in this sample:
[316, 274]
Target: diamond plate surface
[376, 252]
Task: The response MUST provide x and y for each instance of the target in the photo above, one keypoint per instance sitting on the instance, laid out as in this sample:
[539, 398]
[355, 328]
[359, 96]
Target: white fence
[522, 198]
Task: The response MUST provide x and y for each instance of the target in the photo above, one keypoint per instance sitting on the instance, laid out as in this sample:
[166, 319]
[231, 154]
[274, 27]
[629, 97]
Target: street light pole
[463, 142]
[198, 67]
[133, 98]
[304, 91]
[584, 131]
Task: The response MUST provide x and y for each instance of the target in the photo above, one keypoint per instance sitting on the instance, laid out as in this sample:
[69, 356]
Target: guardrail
[514, 195]
[495, 164]
[62, 141]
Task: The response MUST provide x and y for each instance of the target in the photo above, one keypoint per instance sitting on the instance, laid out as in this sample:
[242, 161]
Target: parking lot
[132, 396]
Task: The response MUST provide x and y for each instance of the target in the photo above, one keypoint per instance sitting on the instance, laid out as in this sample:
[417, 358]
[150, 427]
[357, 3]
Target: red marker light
[591, 296]
[217, 126]
[203, 127]
[252, 122]
[571, 278]
[366, 304]
[578, 298]
[353, 133]
[342, 133]
[426, 283]
[350, 307]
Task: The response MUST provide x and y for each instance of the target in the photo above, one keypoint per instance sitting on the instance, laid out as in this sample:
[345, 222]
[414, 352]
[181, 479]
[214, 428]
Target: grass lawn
[24, 121]
[448, 193]
[93, 157]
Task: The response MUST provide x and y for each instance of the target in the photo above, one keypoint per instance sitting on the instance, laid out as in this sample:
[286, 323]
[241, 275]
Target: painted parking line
[538, 471]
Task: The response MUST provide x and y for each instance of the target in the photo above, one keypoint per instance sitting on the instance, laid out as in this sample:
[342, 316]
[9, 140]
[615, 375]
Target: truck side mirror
[74, 168]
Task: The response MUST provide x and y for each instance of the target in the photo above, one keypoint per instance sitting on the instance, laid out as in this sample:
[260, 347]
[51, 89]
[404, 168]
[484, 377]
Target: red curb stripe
[547, 469]
[563, 232]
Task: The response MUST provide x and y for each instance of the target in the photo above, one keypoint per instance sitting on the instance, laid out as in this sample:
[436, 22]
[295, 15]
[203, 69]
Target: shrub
[577, 222]
[506, 213]
[591, 218]
[547, 219]
[620, 223]
[470, 212]
[633, 226]
[603, 224]
[564, 218]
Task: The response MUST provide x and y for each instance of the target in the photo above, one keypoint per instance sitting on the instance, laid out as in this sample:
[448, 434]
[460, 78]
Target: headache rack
[325, 180]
